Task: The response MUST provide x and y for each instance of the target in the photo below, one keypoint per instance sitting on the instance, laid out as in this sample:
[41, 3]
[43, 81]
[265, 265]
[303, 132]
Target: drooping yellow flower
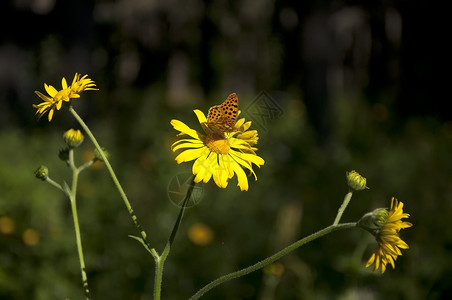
[387, 236]
[218, 154]
[56, 98]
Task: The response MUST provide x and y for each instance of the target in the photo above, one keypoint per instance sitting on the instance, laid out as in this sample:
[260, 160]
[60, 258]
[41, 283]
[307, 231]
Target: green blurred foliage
[353, 92]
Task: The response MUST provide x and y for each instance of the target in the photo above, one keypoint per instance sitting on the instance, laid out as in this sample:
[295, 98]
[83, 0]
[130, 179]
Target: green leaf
[142, 242]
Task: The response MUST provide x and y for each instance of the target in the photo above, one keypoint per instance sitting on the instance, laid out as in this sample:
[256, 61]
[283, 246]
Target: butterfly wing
[223, 117]
[214, 114]
[230, 108]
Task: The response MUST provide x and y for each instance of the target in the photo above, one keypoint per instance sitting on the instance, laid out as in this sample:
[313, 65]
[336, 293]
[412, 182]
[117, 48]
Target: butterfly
[223, 117]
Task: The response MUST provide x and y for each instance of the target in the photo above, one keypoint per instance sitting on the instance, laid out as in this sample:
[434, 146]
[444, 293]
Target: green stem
[341, 210]
[112, 174]
[72, 197]
[55, 184]
[272, 258]
[85, 165]
[160, 261]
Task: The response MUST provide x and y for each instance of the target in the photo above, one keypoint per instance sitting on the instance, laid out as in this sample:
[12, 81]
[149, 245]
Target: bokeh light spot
[7, 225]
[30, 237]
[276, 269]
[200, 234]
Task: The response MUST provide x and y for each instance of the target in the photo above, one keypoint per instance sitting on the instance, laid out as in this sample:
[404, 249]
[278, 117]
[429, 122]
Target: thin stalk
[272, 258]
[341, 210]
[85, 165]
[160, 261]
[55, 184]
[72, 197]
[113, 176]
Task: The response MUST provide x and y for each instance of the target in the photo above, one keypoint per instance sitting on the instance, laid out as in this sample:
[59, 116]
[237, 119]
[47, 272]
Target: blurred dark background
[356, 86]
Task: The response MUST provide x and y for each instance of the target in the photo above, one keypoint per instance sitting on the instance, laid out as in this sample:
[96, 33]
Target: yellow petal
[239, 123]
[201, 169]
[76, 76]
[63, 83]
[220, 175]
[226, 164]
[241, 177]
[383, 267]
[238, 143]
[179, 126]
[246, 126]
[377, 262]
[186, 143]
[189, 154]
[371, 260]
[43, 97]
[243, 163]
[200, 115]
[50, 115]
[50, 90]
[204, 161]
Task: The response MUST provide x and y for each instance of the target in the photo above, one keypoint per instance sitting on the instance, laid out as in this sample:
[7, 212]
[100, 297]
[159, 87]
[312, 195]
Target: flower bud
[42, 173]
[380, 216]
[374, 221]
[73, 138]
[98, 156]
[63, 154]
[356, 181]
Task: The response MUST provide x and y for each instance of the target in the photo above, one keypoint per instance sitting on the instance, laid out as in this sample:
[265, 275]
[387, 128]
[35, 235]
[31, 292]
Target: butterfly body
[223, 117]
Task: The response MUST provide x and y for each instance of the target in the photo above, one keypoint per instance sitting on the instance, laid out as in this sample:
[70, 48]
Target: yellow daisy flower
[389, 242]
[218, 154]
[56, 98]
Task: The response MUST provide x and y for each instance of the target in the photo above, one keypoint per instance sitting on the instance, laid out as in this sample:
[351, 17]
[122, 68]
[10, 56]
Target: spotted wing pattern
[223, 117]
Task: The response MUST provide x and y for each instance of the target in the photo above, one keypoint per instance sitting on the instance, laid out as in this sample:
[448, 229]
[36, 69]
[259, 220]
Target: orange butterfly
[223, 117]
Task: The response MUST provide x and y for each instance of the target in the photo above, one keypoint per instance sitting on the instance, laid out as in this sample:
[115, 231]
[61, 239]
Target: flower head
[355, 181]
[73, 138]
[56, 98]
[63, 154]
[80, 84]
[98, 156]
[218, 154]
[42, 173]
[386, 227]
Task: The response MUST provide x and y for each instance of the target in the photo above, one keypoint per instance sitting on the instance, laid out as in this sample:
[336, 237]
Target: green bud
[63, 154]
[380, 216]
[374, 221]
[356, 181]
[73, 138]
[98, 156]
[42, 173]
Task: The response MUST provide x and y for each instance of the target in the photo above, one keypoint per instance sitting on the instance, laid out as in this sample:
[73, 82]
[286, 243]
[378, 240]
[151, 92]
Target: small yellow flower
[73, 138]
[218, 154]
[355, 181]
[387, 236]
[56, 98]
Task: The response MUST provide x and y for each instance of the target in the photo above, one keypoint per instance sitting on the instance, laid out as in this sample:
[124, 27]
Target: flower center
[62, 95]
[217, 143]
